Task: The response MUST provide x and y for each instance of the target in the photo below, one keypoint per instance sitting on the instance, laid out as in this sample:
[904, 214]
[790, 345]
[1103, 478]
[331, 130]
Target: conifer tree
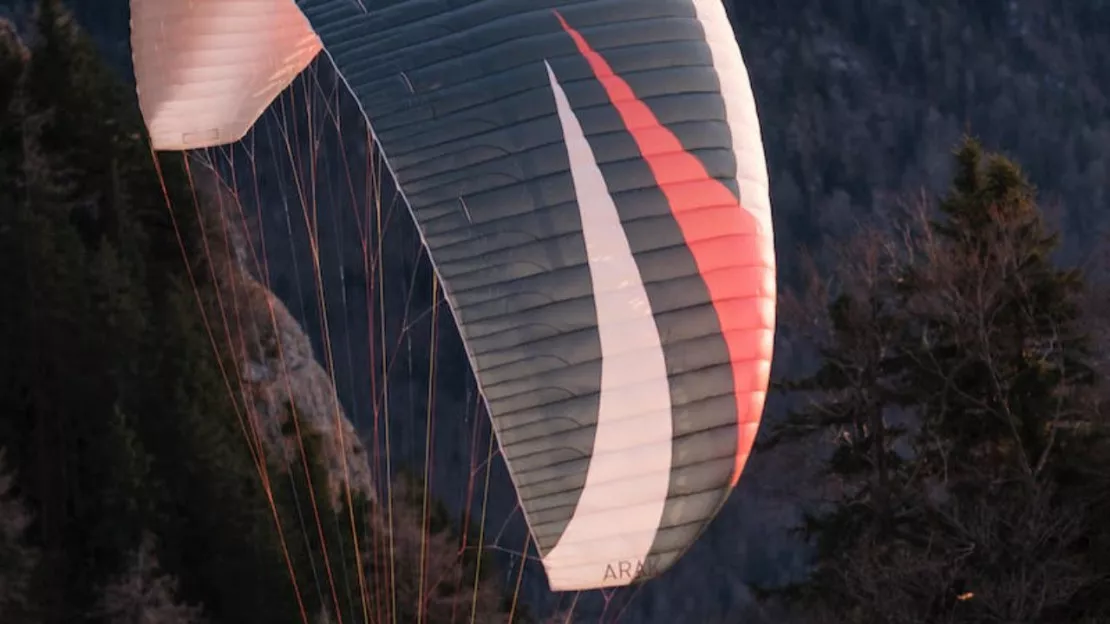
[116, 466]
[13, 269]
[68, 80]
[962, 327]
[1001, 358]
[13, 60]
[18, 559]
[215, 519]
[325, 576]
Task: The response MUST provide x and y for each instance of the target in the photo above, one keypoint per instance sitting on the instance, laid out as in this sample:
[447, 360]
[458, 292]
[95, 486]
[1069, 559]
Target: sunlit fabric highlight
[205, 70]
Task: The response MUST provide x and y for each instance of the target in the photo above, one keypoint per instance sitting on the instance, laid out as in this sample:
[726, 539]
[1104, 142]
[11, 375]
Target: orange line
[227, 383]
[298, 182]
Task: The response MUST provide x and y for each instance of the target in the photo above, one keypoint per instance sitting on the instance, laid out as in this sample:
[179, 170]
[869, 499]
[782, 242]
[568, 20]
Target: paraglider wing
[590, 183]
[589, 180]
[205, 70]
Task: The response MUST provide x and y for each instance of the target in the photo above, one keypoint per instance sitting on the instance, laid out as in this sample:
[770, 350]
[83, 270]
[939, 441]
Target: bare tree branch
[144, 594]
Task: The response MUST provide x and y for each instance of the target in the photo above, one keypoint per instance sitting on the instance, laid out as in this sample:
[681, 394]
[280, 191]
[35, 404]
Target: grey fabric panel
[691, 452]
[459, 100]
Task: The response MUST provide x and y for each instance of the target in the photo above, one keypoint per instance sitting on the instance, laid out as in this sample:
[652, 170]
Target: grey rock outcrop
[289, 391]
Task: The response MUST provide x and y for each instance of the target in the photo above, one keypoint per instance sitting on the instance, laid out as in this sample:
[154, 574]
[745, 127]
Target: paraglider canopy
[589, 180]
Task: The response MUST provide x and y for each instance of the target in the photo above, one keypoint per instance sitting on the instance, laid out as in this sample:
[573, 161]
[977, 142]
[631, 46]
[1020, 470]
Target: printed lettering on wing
[626, 569]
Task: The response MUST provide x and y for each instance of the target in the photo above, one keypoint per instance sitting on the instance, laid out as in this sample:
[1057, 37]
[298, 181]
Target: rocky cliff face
[284, 380]
[284, 384]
